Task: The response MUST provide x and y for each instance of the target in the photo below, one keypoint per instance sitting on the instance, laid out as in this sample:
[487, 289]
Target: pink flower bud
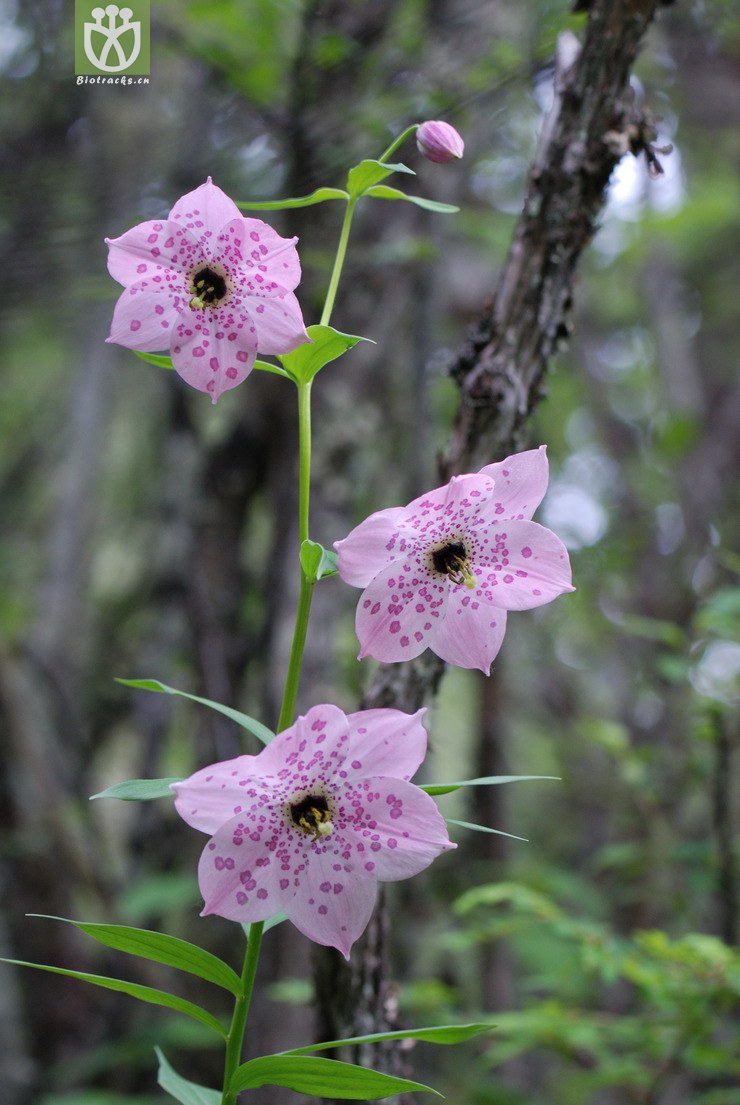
[439, 141]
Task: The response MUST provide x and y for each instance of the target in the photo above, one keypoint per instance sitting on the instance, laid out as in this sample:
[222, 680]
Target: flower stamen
[452, 561]
[312, 815]
[208, 288]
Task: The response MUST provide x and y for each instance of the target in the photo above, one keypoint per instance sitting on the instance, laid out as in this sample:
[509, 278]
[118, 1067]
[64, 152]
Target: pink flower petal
[397, 612]
[472, 632]
[156, 248]
[205, 209]
[208, 797]
[375, 541]
[314, 745]
[460, 507]
[248, 869]
[279, 323]
[212, 350]
[269, 259]
[334, 905]
[400, 829]
[521, 483]
[521, 565]
[145, 317]
[387, 742]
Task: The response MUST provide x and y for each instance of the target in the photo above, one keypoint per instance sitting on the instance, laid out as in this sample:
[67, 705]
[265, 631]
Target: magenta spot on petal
[395, 627]
[262, 893]
[369, 866]
[214, 364]
[526, 551]
[141, 267]
[284, 884]
[159, 309]
[152, 238]
[323, 910]
[135, 324]
[338, 888]
[325, 887]
[242, 356]
[356, 764]
[419, 636]
[508, 579]
[232, 373]
[199, 351]
[404, 642]
[536, 591]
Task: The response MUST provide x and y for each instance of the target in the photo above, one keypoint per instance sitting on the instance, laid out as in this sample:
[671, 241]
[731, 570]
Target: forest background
[144, 535]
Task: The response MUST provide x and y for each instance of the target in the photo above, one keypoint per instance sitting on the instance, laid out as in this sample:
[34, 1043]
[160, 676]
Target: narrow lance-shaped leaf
[321, 1078]
[485, 781]
[139, 790]
[160, 948]
[187, 1093]
[484, 829]
[321, 195]
[385, 192]
[251, 724]
[142, 993]
[441, 1034]
[158, 359]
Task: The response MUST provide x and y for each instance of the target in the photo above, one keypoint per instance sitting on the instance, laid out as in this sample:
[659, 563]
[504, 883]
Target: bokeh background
[146, 533]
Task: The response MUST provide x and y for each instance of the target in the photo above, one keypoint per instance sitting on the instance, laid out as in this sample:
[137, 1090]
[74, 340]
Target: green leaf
[326, 345]
[487, 781]
[251, 724]
[484, 829]
[188, 1093]
[155, 358]
[320, 1077]
[317, 562]
[139, 790]
[319, 196]
[265, 366]
[441, 1034]
[160, 948]
[142, 993]
[385, 192]
[368, 173]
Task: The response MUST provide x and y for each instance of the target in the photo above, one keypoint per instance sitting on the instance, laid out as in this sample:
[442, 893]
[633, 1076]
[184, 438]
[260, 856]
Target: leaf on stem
[187, 1093]
[321, 1078]
[441, 1034]
[369, 173]
[139, 790]
[484, 829]
[155, 358]
[384, 192]
[265, 366]
[319, 196]
[160, 948]
[141, 993]
[244, 720]
[318, 562]
[486, 781]
[326, 345]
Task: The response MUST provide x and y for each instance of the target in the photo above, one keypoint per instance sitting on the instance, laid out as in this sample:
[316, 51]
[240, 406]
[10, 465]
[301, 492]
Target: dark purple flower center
[208, 287]
[452, 561]
[312, 814]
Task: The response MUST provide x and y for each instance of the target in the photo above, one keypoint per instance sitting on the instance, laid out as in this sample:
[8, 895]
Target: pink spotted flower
[313, 823]
[442, 572]
[208, 286]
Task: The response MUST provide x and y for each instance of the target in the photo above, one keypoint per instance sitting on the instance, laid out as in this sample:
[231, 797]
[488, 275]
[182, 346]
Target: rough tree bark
[501, 368]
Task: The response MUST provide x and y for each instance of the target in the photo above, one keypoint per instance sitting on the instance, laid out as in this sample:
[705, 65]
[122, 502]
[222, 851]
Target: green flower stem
[399, 141]
[304, 458]
[235, 1042]
[338, 261]
[287, 710]
[292, 679]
